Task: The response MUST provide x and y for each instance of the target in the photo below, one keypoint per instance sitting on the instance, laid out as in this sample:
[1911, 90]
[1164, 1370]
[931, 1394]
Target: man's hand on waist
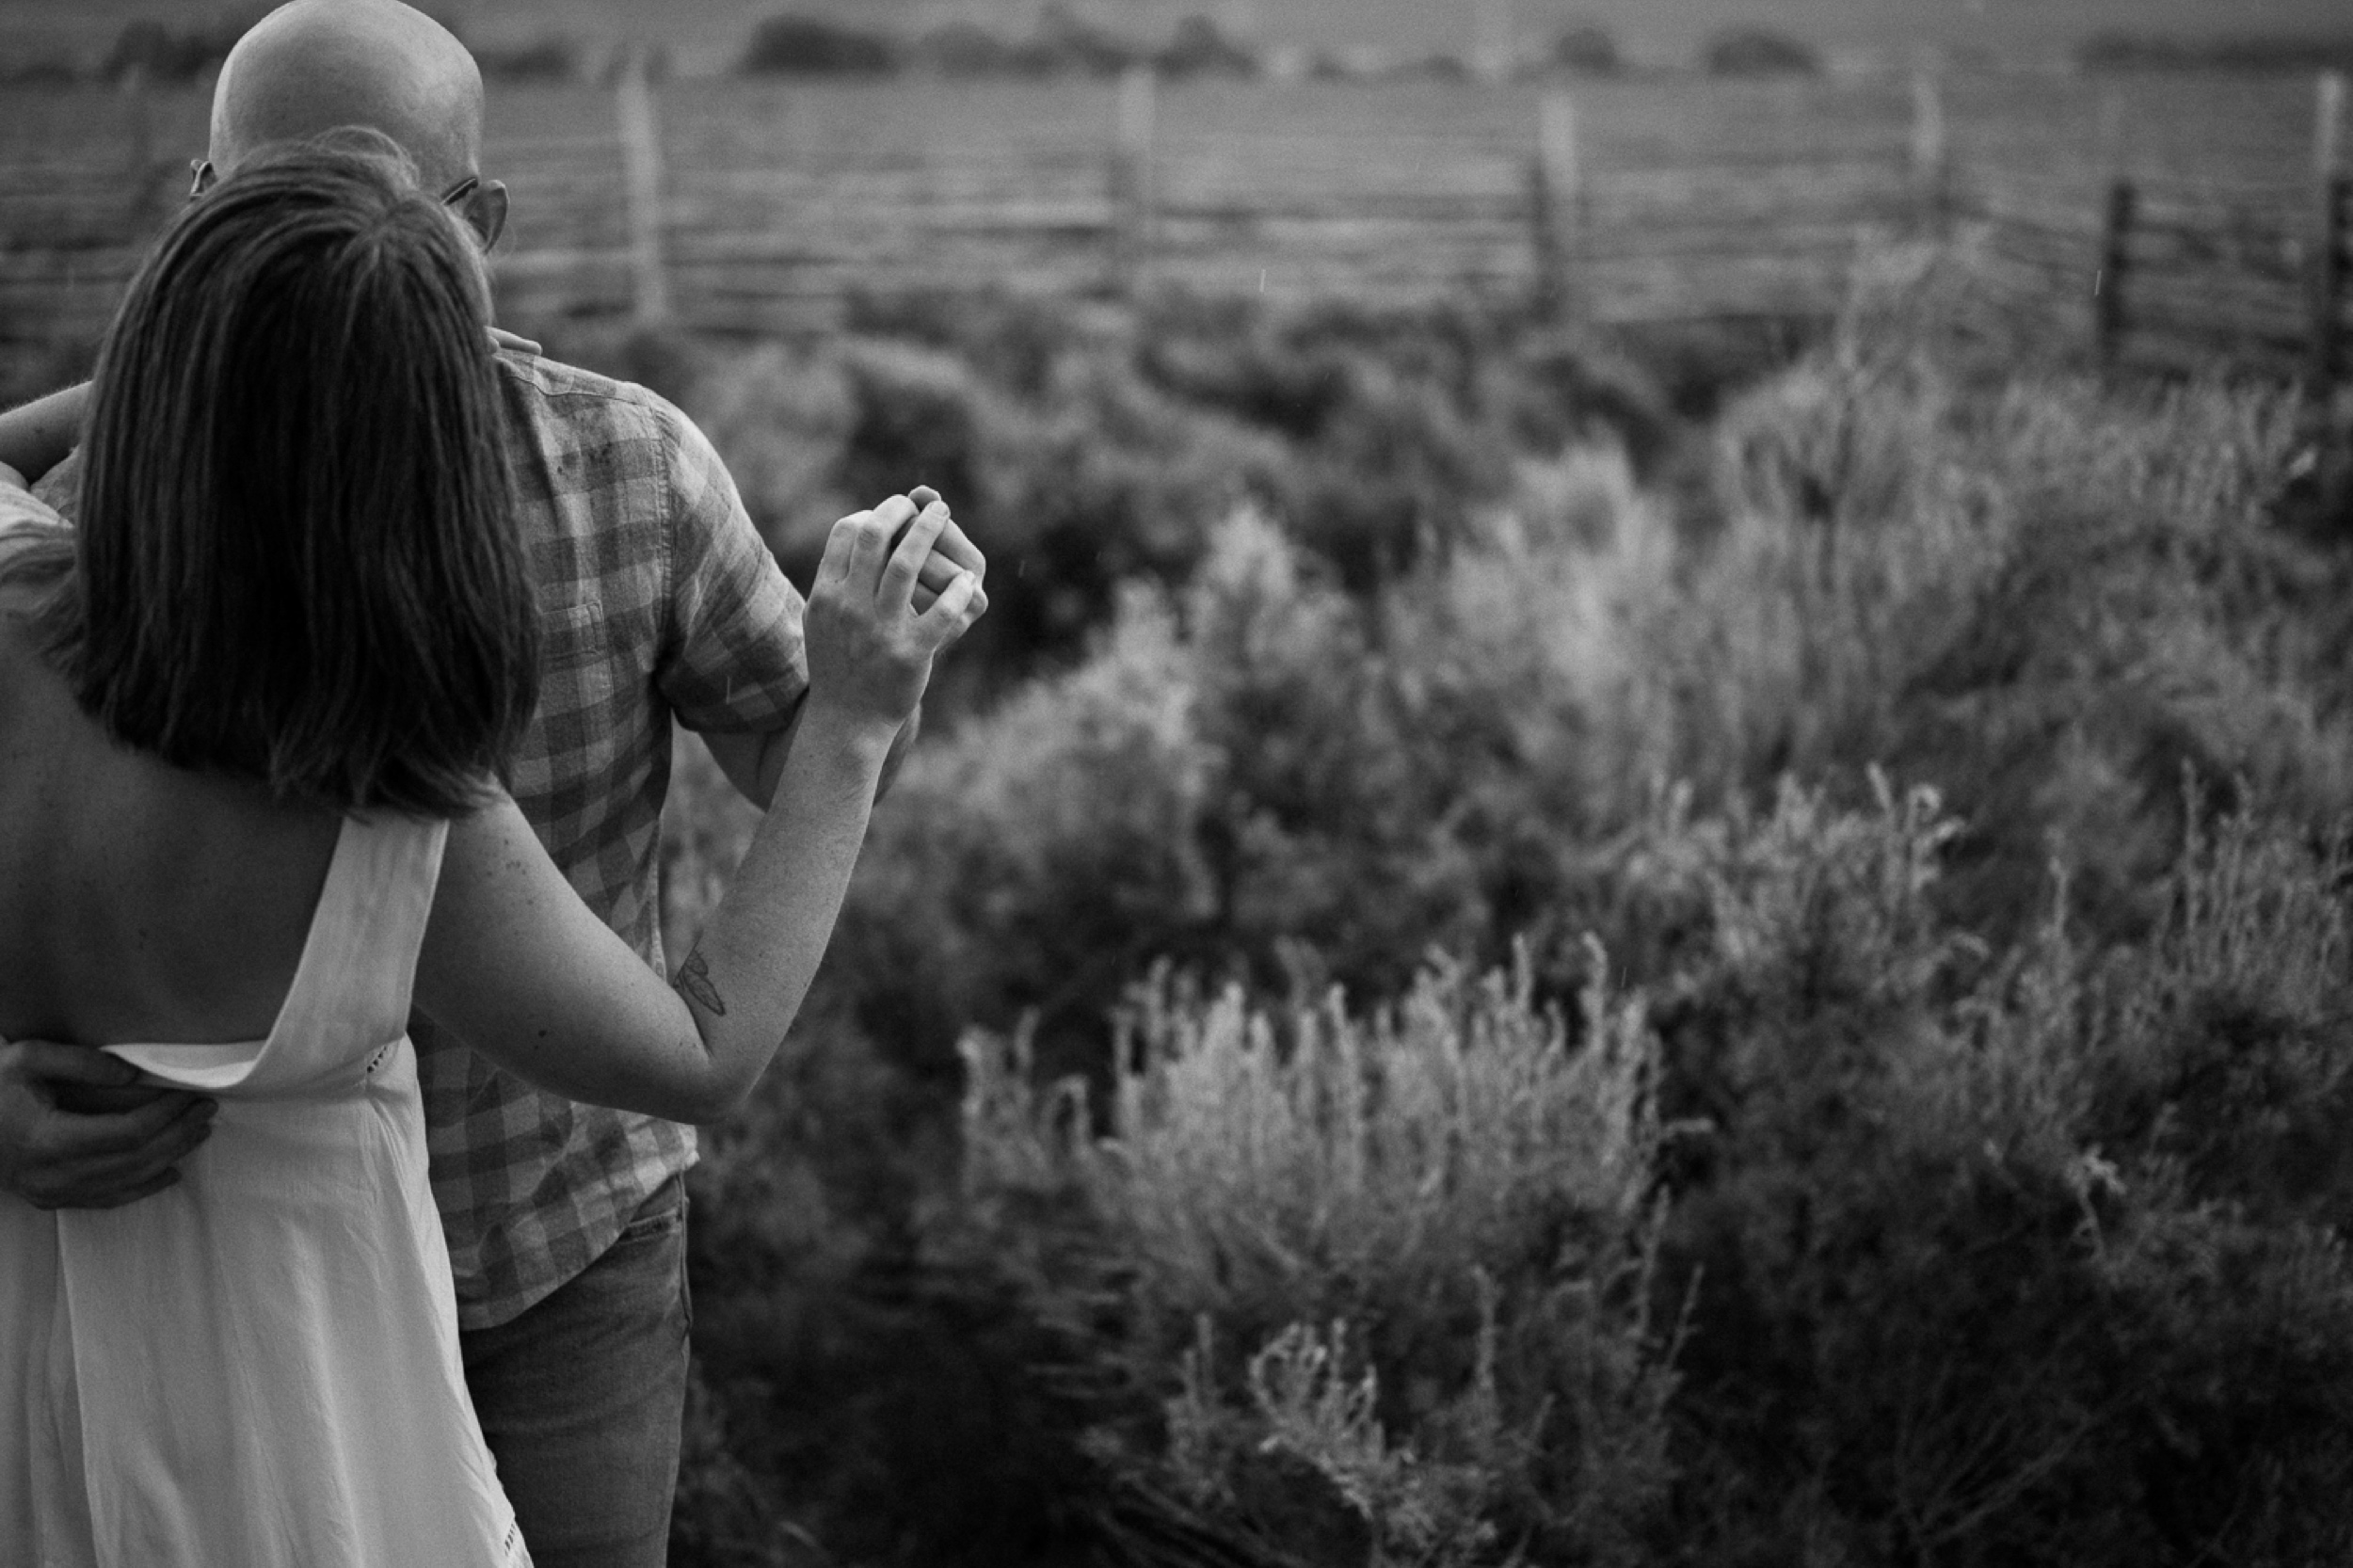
[78, 1130]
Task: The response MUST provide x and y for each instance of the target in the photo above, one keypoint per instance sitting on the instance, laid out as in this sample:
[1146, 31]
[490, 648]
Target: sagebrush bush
[1410, 1251]
[1959, 1278]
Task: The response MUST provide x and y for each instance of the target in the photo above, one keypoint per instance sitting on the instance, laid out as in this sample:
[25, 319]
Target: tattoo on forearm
[693, 982]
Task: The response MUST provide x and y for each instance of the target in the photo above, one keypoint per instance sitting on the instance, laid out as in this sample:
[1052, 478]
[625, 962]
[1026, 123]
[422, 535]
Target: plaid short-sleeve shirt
[657, 600]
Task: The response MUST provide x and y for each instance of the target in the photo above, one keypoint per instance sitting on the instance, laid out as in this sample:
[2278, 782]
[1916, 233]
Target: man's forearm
[36, 437]
[754, 763]
[777, 744]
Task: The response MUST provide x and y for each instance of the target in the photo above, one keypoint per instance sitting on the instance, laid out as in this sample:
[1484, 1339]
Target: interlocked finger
[129, 1132]
[105, 1181]
[950, 552]
[914, 549]
[958, 606]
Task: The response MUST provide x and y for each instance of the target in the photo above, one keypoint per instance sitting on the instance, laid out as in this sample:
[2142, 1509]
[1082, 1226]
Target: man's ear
[484, 208]
[205, 176]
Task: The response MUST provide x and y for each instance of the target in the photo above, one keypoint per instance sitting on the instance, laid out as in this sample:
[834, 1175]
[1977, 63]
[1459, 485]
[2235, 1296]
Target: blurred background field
[1709, 931]
[1648, 198]
[1899, 793]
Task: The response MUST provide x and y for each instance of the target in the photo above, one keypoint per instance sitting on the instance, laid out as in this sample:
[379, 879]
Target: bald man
[566, 1223]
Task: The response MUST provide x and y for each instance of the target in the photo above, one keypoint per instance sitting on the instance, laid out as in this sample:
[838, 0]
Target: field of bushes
[1522, 948]
[1695, 948]
[1516, 945]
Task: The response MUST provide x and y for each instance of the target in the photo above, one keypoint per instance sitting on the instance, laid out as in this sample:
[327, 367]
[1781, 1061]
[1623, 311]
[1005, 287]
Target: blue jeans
[582, 1396]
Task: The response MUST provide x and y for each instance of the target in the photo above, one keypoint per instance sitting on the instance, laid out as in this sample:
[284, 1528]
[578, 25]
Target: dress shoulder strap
[359, 963]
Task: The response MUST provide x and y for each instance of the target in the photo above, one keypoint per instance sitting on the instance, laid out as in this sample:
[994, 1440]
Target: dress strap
[359, 963]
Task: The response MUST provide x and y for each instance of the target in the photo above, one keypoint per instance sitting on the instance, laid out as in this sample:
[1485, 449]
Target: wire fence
[2193, 224]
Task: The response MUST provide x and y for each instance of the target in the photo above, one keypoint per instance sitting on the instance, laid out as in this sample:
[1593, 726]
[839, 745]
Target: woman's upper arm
[516, 965]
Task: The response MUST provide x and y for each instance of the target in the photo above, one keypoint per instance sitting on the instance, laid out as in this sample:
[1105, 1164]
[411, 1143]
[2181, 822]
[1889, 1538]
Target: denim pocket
[663, 1211]
[661, 1222]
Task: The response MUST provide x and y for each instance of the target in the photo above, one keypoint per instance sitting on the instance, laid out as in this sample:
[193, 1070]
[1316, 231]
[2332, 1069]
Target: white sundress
[257, 1367]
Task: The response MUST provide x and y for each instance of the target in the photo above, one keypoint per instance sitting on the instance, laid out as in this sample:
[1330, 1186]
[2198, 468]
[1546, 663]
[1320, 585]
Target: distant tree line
[2120, 51]
[1064, 43]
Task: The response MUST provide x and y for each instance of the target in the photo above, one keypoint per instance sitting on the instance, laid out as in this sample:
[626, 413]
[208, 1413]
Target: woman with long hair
[253, 711]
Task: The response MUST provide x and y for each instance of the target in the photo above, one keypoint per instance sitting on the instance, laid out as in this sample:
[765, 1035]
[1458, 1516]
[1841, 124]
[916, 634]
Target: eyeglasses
[202, 170]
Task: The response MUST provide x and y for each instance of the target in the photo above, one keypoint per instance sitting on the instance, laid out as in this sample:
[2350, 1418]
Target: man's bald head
[313, 65]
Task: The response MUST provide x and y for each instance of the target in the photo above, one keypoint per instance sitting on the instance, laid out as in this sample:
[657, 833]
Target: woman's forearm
[528, 975]
[515, 963]
[748, 974]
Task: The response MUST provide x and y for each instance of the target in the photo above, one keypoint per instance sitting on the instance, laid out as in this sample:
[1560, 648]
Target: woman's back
[142, 901]
[257, 1367]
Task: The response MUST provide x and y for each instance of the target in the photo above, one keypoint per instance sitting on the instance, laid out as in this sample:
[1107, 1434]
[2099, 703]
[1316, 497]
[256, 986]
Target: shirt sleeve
[733, 661]
[19, 505]
[61, 487]
[29, 529]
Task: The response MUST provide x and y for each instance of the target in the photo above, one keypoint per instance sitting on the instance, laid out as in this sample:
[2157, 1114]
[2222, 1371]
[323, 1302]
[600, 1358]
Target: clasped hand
[870, 649]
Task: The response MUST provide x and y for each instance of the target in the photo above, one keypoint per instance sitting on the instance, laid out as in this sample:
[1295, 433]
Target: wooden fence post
[1555, 195]
[2109, 322]
[141, 187]
[2333, 194]
[2111, 129]
[1932, 174]
[1131, 178]
[2115, 229]
[641, 185]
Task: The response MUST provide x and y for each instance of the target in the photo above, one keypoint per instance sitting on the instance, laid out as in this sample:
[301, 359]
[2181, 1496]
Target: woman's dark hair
[296, 558]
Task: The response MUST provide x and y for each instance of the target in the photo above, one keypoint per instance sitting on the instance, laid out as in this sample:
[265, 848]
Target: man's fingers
[935, 572]
[84, 1178]
[91, 1182]
[71, 1064]
[923, 599]
[951, 552]
[914, 549]
[136, 1134]
[952, 611]
[960, 550]
[109, 1099]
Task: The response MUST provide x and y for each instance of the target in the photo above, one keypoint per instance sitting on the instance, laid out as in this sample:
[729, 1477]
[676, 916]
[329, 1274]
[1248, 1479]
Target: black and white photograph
[1176, 784]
